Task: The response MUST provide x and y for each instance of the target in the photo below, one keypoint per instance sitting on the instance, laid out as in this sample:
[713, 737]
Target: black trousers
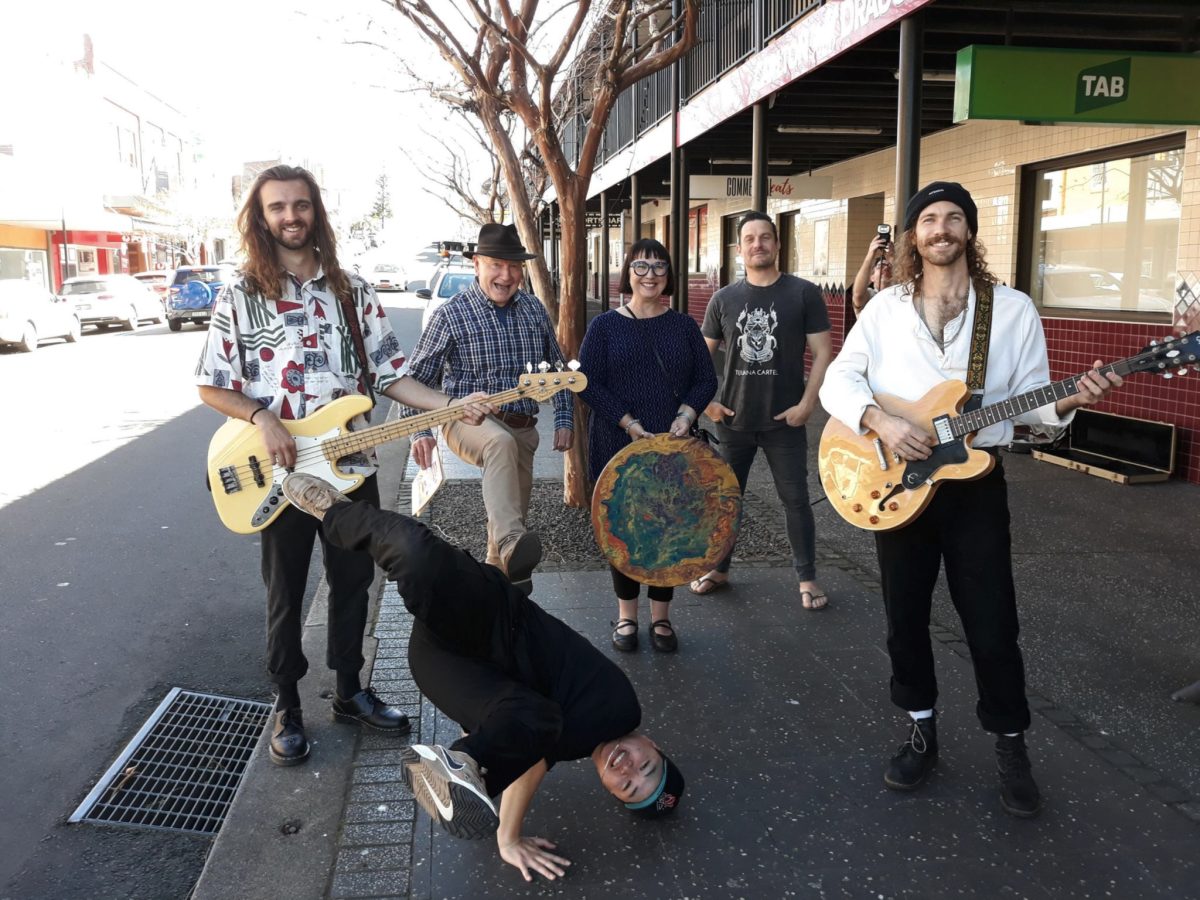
[465, 650]
[287, 545]
[967, 526]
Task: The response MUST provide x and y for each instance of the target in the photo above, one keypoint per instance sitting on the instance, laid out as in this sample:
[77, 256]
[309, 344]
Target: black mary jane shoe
[366, 708]
[288, 746]
[664, 643]
[625, 642]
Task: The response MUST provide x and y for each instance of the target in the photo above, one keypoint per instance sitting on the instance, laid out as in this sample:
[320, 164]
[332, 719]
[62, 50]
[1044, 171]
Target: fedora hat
[499, 242]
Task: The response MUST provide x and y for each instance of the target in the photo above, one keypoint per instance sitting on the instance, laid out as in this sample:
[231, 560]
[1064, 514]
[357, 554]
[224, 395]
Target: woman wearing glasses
[649, 371]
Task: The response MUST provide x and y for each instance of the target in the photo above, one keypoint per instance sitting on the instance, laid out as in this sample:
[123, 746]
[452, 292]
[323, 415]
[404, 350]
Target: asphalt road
[119, 582]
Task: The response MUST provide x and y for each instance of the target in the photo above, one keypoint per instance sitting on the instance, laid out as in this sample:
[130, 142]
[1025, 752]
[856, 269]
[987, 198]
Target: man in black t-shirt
[767, 321]
[526, 688]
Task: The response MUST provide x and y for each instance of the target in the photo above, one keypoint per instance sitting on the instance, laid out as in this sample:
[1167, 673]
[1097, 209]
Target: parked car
[447, 281]
[192, 293]
[29, 313]
[159, 281]
[387, 277]
[1090, 288]
[104, 300]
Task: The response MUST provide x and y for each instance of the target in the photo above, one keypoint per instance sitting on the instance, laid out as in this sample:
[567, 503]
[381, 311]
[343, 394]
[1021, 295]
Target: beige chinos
[505, 454]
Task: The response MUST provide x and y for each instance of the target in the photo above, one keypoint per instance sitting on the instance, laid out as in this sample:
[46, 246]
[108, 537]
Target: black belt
[516, 420]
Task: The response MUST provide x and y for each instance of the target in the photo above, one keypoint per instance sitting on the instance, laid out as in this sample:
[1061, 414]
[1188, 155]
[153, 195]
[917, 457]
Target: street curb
[281, 834]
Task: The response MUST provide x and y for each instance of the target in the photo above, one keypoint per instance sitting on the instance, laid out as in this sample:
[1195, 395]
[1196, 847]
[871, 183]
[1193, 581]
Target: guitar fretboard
[361, 441]
[967, 423]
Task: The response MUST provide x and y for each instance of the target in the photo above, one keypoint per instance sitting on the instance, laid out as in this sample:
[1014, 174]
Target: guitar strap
[351, 315]
[980, 338]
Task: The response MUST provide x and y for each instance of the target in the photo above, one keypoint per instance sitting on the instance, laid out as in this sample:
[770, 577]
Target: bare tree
[507, 62]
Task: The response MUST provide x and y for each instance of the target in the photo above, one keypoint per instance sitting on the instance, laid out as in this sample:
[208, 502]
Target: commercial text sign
[1040, 85]
[741, 187]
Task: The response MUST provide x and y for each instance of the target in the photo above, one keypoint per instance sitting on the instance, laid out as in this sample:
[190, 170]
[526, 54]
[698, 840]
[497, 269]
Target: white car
[1089, 288]
[29, 313]
[446, 282]
[387, 277]
[104, 300]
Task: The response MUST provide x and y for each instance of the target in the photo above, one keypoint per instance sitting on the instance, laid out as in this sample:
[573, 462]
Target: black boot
[289, 746]
[910, 767]
[1019, 793]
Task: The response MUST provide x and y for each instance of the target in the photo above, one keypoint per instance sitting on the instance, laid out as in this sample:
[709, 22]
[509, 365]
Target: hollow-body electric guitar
[246, 485]
[873, 488]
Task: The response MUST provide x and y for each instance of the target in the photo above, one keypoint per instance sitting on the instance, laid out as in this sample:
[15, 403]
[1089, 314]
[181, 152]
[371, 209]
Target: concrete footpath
[781, 721]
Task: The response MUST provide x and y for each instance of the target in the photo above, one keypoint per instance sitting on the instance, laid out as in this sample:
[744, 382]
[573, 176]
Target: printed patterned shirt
[296, 354]
[468, 347]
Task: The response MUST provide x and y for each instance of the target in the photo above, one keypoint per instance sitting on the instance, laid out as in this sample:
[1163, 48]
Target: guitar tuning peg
[529, 368]
[558, 366]
[1182, 371]
[1168, 374]
[1153, 343]
[543, 367]
[573, 365]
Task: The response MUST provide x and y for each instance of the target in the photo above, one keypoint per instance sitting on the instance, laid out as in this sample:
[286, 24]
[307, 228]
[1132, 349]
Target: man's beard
[937, 256]
[299, 242]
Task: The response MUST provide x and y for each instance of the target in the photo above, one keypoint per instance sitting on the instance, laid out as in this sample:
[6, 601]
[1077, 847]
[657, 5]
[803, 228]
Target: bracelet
[255, 413]
[449, 401]
[684, 414]
[632, 422]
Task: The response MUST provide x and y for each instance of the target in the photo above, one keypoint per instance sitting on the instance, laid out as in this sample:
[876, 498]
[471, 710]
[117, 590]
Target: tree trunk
[527, 224]
[572, 322]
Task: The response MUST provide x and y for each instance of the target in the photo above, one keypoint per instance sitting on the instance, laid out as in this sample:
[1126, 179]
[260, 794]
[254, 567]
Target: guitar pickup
[230, 483]
[257, 472]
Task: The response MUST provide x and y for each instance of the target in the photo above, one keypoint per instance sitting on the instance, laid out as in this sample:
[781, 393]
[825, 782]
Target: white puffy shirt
[890, 351]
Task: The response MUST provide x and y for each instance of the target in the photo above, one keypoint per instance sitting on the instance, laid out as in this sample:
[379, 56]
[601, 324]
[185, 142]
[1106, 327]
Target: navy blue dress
[624, 377]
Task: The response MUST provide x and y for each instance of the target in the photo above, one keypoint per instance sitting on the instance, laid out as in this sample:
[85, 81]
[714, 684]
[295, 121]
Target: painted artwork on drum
[666, 510]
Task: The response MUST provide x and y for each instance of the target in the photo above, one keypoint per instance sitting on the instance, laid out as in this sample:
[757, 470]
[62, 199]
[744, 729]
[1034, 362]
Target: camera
[885, 231]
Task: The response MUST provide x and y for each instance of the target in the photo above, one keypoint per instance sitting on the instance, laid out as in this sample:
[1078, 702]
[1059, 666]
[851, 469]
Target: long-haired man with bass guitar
[944, 318]
[291, 334]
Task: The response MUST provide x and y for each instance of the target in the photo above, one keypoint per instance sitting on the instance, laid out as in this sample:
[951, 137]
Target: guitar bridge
[230, 483]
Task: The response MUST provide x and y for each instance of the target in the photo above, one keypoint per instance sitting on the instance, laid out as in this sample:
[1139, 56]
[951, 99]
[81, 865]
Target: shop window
[1102, 231]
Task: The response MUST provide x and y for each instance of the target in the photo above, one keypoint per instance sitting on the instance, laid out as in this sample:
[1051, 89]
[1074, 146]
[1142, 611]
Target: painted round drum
[666, 510]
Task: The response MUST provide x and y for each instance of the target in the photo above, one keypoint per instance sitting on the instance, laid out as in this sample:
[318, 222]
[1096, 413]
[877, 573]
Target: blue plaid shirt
[467, 347]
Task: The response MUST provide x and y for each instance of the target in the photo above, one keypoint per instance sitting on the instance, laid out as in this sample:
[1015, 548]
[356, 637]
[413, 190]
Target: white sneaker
[449, 787]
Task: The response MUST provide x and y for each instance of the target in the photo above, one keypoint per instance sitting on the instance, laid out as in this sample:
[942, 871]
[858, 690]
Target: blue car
[192, 293]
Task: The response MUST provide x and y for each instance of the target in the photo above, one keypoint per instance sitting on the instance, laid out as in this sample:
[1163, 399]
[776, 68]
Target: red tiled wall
[699, 293]
[1074, 344]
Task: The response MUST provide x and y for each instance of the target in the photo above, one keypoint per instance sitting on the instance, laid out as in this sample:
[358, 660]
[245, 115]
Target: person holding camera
[875, 273]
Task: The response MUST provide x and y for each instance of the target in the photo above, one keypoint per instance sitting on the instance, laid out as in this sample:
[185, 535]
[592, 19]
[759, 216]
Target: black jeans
[287, 545]
[786, 449]
[464, 651]
[967, 526]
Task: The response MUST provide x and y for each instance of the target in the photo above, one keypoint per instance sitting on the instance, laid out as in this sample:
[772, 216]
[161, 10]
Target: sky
[305, 79]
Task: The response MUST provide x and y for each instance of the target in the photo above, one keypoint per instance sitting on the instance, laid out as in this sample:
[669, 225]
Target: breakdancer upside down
[526, 688]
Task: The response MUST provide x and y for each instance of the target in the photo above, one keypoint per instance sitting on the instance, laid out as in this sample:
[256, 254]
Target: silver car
[104, 300]
[29, 314]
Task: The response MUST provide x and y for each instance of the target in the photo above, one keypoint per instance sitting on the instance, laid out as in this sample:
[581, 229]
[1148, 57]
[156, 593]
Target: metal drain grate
[181, 770]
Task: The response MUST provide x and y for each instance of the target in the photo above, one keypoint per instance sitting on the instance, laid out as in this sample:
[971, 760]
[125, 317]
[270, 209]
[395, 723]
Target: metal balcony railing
[728, 32]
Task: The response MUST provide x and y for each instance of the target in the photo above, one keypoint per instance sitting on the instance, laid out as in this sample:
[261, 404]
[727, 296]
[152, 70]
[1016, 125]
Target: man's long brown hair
[262, 270]
[908, 267]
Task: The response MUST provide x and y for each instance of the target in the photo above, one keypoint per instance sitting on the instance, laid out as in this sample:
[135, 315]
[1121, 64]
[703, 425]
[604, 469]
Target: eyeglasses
[643, 267]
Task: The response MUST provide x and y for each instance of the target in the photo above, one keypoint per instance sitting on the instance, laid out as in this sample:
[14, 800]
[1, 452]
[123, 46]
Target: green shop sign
[1037, 85]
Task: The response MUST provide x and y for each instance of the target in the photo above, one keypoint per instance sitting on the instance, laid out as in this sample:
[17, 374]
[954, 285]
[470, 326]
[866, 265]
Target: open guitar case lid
[1122, 449]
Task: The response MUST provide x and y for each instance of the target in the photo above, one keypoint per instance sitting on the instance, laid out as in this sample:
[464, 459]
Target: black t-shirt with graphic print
[765, 331]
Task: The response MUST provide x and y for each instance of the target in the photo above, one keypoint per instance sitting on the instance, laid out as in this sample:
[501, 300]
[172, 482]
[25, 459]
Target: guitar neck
[361, 441]
[973, 421]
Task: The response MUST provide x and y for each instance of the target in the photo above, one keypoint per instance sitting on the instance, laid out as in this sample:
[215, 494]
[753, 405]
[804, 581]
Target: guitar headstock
[1169, 357]
[546, 381]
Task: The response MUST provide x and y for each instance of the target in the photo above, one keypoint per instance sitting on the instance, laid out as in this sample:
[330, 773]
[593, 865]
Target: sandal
[811, 603]
[664, 643]
[699, 585]
[625, 642]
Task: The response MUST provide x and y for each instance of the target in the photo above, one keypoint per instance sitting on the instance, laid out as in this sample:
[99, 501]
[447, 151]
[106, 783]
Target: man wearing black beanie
[910, 339]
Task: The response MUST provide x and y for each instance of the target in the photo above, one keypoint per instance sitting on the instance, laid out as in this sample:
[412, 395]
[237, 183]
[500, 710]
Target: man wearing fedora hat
[481, 340]
[911, 337]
